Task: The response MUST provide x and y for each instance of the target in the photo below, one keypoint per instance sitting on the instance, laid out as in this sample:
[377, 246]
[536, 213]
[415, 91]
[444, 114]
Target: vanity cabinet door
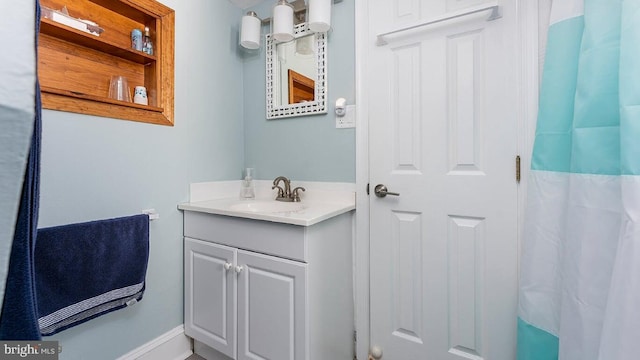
[271, 308]
[210, 303]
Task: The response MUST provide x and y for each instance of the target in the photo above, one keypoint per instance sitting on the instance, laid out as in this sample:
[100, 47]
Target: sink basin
[266, 206]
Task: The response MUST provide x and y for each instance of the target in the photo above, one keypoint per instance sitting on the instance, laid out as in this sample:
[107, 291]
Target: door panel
[271, 313]
[407, 289]
[466, 285]
[210, 295]
[443, 135]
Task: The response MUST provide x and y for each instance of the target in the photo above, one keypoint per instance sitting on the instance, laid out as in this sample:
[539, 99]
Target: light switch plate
[348, 120]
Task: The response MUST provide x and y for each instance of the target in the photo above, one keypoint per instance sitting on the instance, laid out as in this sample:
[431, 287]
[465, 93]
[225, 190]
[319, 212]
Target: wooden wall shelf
[75, 67]
[80, 38]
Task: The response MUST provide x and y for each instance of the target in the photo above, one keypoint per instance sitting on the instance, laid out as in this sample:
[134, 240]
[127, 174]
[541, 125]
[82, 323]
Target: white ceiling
[243, 4]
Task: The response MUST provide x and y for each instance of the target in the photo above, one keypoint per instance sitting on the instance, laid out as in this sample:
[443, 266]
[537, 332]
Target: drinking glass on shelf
[119, 88]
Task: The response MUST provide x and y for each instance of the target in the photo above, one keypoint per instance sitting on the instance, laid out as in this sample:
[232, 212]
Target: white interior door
[442, 122]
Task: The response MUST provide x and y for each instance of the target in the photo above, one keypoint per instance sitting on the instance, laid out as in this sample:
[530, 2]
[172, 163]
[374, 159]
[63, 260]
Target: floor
[195, 357]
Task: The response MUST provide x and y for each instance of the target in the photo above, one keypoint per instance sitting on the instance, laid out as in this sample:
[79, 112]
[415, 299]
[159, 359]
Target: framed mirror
[296, 75]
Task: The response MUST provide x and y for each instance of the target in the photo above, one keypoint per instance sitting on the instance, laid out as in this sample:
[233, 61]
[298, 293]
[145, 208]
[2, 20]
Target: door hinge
[517, 168]
[355, 341]
[367, 188]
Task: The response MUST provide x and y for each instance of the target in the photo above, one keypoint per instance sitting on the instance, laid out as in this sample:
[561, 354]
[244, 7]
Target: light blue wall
[303, 148]
[94, 168]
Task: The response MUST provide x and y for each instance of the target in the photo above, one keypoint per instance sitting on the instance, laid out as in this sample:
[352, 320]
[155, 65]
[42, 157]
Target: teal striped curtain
[579, 293]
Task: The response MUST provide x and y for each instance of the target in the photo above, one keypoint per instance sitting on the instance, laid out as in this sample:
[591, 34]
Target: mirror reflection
[296, 73]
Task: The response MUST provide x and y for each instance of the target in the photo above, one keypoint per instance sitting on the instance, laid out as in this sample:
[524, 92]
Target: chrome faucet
[286, 194]
[283, 194]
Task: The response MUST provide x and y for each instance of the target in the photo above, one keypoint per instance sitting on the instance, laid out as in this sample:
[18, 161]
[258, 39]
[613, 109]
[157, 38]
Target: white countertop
[320, 202]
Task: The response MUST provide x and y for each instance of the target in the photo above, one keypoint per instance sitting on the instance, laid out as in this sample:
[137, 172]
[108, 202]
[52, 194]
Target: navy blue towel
[89, 269]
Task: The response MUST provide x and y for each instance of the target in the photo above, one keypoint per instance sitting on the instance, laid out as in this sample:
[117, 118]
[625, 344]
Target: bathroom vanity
[270, 280]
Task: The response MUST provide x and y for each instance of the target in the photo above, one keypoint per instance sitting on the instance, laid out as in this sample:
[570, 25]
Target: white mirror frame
[319, 105]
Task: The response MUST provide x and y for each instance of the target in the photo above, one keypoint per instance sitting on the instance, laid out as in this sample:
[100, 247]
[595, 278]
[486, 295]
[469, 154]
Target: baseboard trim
[172, 345]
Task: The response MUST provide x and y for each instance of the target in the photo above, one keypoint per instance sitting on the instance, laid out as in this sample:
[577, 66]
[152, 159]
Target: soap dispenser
[247, 187]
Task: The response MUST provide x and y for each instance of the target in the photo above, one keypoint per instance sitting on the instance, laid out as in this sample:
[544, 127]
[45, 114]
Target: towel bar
[495, 14]
[153, 214]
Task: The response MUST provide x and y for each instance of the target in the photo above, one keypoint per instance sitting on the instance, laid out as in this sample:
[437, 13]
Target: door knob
[227, 266]
[376, 353]
[239, 268]
[381, 191]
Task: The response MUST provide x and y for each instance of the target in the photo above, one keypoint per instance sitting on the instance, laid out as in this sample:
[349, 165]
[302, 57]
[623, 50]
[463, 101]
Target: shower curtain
[579, 293]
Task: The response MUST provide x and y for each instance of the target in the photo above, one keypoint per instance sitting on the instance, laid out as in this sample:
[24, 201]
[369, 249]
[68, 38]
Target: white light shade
[282, 22]
[319, 16]
[250, 31]
[304, 45]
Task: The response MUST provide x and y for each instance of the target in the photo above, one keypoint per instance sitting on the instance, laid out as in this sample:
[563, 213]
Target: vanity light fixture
[319, 16]
[285, 16]
[282, 24]
[250, 31]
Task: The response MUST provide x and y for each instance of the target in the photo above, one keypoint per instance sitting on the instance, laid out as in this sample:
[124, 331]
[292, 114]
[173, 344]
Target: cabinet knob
[227, 266]
[239, 268]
